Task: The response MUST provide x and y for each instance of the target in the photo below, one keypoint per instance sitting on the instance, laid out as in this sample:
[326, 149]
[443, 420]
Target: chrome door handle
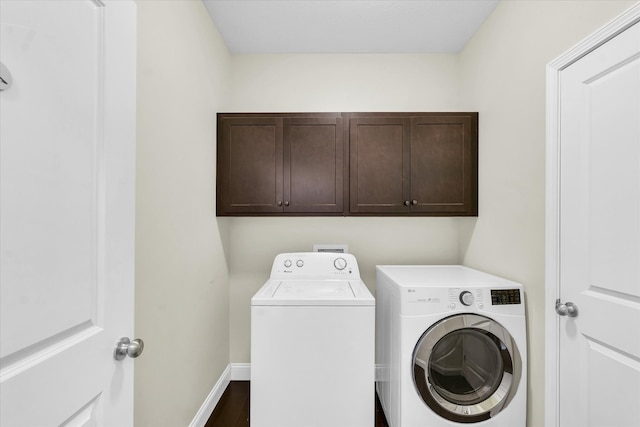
[566, 309]
[126, 347]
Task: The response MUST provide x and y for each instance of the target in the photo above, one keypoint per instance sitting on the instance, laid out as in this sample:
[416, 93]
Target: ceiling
[348, 26]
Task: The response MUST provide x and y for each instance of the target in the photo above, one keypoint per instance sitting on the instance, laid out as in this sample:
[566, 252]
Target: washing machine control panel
[340, 263]
[315, 265]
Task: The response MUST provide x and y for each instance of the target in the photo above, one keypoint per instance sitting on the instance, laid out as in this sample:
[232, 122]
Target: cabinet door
[444, 164]
[379, 165]
[313, 165]
[250, 169]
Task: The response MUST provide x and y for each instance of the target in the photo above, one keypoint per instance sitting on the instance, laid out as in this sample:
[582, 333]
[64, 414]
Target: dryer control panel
[450, 289]
[505, 296]
[461, 297]
[423, 300]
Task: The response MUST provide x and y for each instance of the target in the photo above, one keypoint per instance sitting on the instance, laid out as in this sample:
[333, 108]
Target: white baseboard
[240, 371]
[233, 372]
[205, 411]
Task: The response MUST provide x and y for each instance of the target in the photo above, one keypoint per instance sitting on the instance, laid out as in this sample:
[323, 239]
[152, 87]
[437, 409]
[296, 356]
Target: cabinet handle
[406, 203]
[279, 202]
[286, 203]
[414, 202]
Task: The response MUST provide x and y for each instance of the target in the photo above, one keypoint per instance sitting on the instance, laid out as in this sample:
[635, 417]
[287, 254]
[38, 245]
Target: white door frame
[552, 220]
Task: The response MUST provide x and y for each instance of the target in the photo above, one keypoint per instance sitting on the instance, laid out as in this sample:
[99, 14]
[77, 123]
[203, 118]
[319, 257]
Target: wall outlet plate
[338, 248]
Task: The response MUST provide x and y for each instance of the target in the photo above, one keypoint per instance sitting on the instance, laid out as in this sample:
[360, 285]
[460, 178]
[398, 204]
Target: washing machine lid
[313, 293]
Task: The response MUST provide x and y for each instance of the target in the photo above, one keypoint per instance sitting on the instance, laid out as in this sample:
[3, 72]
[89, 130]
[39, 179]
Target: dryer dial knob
[466, 298]
[287, 263]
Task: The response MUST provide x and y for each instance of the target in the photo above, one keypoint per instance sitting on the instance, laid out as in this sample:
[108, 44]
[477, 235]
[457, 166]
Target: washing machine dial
[287, 263]
[299, 263]
[340, 263]
[466, 298]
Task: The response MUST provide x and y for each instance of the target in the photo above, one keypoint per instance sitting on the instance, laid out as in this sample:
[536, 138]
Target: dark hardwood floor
[233, 408]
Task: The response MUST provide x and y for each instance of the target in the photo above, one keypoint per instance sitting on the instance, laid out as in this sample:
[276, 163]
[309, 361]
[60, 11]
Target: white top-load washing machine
[312, 344]
[451, 347]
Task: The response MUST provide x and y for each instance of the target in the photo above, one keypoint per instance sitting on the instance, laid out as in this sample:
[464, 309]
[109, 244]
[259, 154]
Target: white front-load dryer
[450, 347]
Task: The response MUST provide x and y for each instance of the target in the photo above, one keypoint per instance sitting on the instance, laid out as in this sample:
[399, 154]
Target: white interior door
[67, 153]
[599, 236]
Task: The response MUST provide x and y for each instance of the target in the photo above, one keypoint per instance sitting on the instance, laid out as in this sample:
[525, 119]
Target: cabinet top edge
[350, 114]
[411, 113]
[312, 115]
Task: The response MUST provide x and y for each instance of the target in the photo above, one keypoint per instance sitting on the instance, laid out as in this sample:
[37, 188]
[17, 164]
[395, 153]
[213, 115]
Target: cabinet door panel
[250, 166]
[443, 165]
[313, 165]
[379, 164]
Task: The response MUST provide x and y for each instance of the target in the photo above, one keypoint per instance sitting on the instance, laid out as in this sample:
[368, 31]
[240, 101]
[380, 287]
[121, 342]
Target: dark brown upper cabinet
[398, 164]
[291, 164]
[413, 164]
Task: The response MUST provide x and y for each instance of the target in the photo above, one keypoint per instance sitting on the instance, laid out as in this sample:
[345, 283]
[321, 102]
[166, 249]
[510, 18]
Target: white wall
[182, 289]
[335, 83]
[503, 77]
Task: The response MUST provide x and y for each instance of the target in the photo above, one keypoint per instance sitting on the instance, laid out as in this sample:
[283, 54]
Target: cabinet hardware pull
[414, 202]
[406, 203]
[286, 203]
[279, 202]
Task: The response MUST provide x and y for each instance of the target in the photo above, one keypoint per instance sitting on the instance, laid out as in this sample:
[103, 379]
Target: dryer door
[466, 368]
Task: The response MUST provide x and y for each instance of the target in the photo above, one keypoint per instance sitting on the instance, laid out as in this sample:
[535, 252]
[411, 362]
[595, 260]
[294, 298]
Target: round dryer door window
[466, 368]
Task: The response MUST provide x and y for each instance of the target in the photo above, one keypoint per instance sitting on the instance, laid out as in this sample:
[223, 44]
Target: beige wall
[503, 77]
[256, 241]
[335, 83]
[182, 289]
[185, 293]
[501, 74]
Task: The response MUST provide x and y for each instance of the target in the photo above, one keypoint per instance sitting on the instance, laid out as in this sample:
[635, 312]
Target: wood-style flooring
[233, 408]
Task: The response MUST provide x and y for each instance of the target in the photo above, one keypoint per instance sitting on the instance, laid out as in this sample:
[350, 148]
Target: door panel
[251, 165]
[443, 164]
[379, 164]
[419, 163]
[53, 158]
[600, 235]
[67, 153]
[313, 165]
